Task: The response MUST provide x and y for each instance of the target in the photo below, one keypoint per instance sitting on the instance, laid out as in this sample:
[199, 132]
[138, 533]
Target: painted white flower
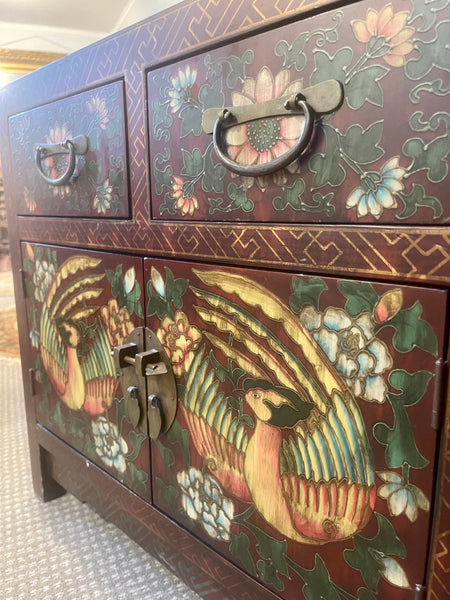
[390, 569]
[352, 348]
[203, 500]
[158, 282]
[181, 90]
[103, 197]
[129, 280]
[42, 279]
[378, 190]
[402, 497]
[109, 445]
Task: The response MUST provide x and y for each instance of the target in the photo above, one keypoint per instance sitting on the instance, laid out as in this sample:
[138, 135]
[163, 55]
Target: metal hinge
[420, 592]
[440, 384]
[24, 285]
[31, 373]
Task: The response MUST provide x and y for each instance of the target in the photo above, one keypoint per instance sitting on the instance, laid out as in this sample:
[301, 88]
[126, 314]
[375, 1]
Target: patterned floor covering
[9, 341]
[62, 550]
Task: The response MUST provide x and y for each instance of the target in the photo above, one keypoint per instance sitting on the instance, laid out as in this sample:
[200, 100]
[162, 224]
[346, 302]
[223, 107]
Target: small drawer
[70, 156]
[377, 158]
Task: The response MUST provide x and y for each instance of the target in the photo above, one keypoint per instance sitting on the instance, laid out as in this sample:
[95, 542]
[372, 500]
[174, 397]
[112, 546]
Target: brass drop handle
[71, 147]
[260, 170]
[312, 102]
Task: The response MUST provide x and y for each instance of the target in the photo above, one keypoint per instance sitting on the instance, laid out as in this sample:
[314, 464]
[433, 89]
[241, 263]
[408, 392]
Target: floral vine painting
[79, 309]
[389, 58]
[98, 186]
[296, 451]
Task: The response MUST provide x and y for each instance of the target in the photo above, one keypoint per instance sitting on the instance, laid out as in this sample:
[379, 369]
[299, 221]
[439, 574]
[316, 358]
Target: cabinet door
[302, 449]
[80, 305]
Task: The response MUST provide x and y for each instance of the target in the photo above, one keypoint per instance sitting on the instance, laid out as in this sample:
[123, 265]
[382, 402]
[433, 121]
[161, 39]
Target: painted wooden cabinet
[228, 233]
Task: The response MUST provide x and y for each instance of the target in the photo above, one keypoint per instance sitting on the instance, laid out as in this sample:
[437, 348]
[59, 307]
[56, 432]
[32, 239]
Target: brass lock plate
[147, 381]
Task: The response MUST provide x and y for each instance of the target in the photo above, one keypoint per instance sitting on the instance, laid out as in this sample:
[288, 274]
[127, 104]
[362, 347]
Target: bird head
[276, 405]
[68, 332]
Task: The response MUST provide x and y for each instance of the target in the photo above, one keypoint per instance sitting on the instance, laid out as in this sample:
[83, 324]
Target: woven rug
[62, 550]
[9, 340]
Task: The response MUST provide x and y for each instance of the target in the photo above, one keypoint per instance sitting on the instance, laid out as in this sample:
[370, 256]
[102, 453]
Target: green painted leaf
[214, 173]
[211, 96]
[272, 550]
[294, 55]
[361, 145]
[399, 439]
[433, 53]
[236, 68]
[318, 585]
[306, 291]
[180, 436]
[167, 495]
[138, 478]
[162, 120]
[136, 441]
[417, 198]
[193, 164]
[292, 196]
[411, 331]
[162, 178]
[167, 455]
[365, 594]
[327, 167]
[240, 548]
[331, 67]
[361, 297]
[239, 200]
[364, 87]
[431, 156]
[362, 559]
[191, 120]
[58, 418]
[175, 288]
[168, 204]
[269, 575]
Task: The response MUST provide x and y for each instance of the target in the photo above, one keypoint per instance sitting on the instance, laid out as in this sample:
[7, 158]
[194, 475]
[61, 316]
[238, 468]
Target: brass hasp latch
[149, 388]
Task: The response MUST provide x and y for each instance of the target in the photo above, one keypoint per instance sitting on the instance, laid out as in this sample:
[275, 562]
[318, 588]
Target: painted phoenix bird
[82, 378]
[306, 464]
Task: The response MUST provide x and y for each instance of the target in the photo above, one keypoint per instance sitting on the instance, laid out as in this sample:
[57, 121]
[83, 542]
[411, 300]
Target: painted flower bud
[388, 306]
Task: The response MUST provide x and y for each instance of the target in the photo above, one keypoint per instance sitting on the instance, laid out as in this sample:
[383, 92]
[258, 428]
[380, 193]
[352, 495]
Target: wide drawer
[380, 157]
[70, 156]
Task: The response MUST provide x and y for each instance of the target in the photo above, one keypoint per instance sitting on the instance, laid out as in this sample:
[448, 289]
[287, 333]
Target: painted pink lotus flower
[263, 140]
[186, 202]
[385, 35]
[97, 107]
[29, 200]
[180, 340]
[56, 165]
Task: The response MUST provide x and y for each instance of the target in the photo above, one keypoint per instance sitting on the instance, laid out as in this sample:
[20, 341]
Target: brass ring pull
[78, 145]
[259, 170]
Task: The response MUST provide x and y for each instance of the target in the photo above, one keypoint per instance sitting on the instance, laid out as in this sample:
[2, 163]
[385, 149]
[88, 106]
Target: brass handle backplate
[312, 102]
[147, 381]
[73, 147]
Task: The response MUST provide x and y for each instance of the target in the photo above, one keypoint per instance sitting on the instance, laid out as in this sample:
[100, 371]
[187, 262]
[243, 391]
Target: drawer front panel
[303, 449]
[98, 182]
[80, 305]
[379, 158]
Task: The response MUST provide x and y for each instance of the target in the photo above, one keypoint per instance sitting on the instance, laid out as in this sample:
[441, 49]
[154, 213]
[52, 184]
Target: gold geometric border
[24, 61]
